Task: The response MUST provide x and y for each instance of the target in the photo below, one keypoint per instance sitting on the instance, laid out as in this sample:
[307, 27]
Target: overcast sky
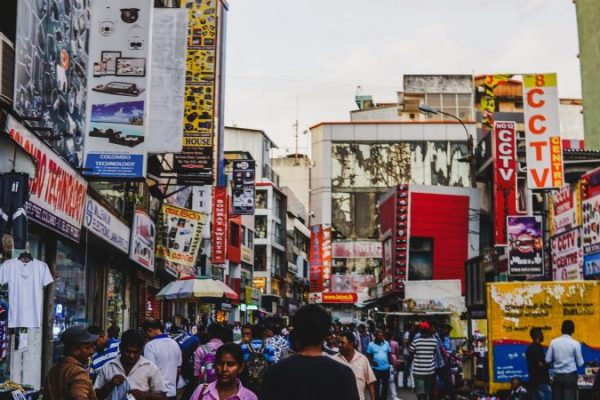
[305, 58]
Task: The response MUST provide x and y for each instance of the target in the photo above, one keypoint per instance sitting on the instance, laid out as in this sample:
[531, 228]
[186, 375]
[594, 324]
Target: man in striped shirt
[423, 351]
[106, 349]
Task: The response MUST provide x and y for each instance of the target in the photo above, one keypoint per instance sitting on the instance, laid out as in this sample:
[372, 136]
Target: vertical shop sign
[402, 236]
[526, 245]
[57, 194]
[542, 132]
[505, 176]
[316, 258]
[567, 256]
[243, 190]
[327, 257]
[219, 229]
[143, 234]
[564, 209]
[195, 163]
[118, 89]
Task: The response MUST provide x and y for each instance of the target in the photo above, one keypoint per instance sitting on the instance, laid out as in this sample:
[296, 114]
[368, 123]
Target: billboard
[219, 226]
[514, 308]
[564, 209]
[167, 82]
[243, 190]
[51, 62]
[143, 240]
[567, 256]
[118, 90]
[179, 238]
[57, 194]
[542, 132]
[526, 245]
[505, 177]
[102, 223]
[320, 258]
[195, 163]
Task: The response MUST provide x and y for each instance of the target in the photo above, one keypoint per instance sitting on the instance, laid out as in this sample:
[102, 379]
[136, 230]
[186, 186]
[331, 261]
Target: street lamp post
[427, 109]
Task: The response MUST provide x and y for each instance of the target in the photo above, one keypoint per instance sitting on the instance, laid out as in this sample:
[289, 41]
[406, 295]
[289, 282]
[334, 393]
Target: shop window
[260, 226]
[234, 235]
[261, 199]
[244, 237]
[279, 235]
[250, 243]
[69, 302]
[260, 258]
[421, 259]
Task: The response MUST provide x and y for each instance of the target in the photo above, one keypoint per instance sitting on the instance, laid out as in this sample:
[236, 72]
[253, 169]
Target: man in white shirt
[358, 363]
[564, 354]
[130, 373]
[165, 353]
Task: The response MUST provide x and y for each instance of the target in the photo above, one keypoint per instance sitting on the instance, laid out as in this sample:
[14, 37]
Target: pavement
[406, 394]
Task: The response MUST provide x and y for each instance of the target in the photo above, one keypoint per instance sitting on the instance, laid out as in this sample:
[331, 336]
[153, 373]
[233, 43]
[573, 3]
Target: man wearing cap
[69, 380]
[423, 350]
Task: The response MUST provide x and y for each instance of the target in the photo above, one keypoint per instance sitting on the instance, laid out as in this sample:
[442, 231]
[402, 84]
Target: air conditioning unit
[7, 70]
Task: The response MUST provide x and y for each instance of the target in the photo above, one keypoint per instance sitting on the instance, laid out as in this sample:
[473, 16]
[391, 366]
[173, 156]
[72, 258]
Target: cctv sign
[542, 132]
[505, 176]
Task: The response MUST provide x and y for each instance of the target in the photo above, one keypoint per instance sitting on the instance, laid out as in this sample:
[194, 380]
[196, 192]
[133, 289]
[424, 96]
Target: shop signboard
[51, 62]
[102, 223]
[179, 237]
[401, 236]
[357, 249]
[332, 298]
[542, 132]
[567, 256]
[118, 90]
[327, 257]
[195, 163]
[488, 100]
[167, 82]
[219, 226]
[505, 176]
[243, 187]
[57, 194]
[564, 209]
[590, 210]
[247, 255]
[316, 258]
[143, 240]
[514, 308]
[388, 269]
[202, 201]
[526, 245]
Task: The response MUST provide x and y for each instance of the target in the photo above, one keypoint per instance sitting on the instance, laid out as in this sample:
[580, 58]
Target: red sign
[327, 257]
[339, 298]
[219, 232]
[320, 258]
[505, 177]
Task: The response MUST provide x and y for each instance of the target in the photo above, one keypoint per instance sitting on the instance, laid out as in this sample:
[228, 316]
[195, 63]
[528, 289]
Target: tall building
[588, 18]
[294, 172]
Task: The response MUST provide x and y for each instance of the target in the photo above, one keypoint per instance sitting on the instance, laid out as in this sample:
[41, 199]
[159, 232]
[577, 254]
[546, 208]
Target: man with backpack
[257, 355]
[205, 355]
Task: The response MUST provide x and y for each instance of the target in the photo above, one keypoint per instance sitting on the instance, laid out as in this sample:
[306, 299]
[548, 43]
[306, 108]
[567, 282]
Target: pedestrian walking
[106, 349]
[364, 338]
[229, 364]
[406, 370]
[380, 355]
[358, 363]
[205, 355]
[517, 391]
[69, 380]
[539, 378]
[257, 357]
[330, 346]
[423, 350]
[308, 375]
[395, 362]
[165, 353]
[564, 354]
[276, 340]
[130, 373]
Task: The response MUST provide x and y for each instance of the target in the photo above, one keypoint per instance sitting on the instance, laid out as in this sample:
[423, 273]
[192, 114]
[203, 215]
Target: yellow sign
[247, 255]
[514, 308]
[260, 284]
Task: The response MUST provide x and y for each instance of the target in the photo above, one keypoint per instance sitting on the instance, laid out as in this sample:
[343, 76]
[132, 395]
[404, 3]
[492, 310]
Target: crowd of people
[310, 358]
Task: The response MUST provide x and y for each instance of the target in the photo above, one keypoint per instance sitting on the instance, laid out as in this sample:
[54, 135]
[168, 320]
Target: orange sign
[330, 298]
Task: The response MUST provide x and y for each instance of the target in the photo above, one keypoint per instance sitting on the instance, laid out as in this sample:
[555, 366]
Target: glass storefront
[70, 289]
[115, 298]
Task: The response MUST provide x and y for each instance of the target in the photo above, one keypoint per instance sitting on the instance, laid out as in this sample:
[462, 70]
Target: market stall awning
[183, 289]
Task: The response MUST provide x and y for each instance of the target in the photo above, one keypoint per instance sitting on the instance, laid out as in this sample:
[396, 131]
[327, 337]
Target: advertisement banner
[567, 256]
[202, 201]
[167, 82]
[51, 63]
[505, 176]
[179, 236]
[357, 249]
[243, 187]
[488, 100]
[219, 226]
[542, 132]
[514, 308]
[118, 89]
[143, 234]
[327, 257]
[195, 163]
[591, 265]
[102, 223]
[564, 209]
[388, 266]
[526, 245]
[590, 210]
[57, 194]
[316, 258]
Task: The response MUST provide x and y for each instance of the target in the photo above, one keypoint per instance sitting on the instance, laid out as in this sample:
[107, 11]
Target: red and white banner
[320, 258]
[567, 256]
[57, 194]
[564, 209]
[542, 132]
[219, 229]
[505, 177]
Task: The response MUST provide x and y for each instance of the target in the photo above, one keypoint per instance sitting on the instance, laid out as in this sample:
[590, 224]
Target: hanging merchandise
[26, 279]
[13, 194]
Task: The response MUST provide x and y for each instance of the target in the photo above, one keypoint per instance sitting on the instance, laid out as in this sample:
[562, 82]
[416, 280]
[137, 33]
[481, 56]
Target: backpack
[208, 372]
[256, 365]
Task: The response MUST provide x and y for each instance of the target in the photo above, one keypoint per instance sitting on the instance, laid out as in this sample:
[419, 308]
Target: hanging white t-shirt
[26, 282]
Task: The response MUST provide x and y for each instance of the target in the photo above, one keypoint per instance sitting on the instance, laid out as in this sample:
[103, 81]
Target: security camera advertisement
[242, 199]
[118, 95]
[526, 245]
